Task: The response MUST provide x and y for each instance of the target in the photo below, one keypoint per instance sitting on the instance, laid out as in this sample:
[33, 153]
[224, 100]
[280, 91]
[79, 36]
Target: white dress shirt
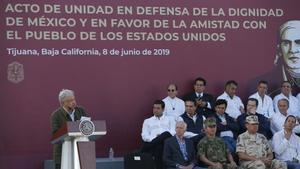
[173, 107]
[284, 149]
[265, 106]
[154, 126]
[298, 97]
[294, 106]
[233, 105]
[277, 122]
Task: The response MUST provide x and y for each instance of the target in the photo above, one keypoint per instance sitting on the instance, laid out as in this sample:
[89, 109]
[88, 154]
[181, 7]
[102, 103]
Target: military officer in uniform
[254, 150]
[212, 150]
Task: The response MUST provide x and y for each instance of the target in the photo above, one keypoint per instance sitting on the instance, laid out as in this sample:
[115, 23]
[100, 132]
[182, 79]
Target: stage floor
[101, 163]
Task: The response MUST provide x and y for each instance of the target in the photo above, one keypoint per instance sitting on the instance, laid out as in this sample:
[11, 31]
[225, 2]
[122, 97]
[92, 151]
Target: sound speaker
[138, 160]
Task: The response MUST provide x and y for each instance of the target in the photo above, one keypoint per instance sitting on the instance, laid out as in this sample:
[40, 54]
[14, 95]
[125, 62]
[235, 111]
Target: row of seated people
[160, 127]
[205, 102]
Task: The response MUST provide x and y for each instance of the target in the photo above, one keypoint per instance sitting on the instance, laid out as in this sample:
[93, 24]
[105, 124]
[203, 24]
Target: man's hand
[224, 123]
[191, 166]
[242, 109]
[201, 103]
[218, 165]
[266, 160]
[233, 164]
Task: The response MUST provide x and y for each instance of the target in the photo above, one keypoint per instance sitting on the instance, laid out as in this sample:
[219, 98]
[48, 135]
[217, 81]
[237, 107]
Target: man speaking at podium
[68, 111]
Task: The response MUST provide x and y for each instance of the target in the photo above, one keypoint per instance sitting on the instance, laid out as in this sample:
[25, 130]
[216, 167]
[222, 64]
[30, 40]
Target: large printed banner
[119, 57]
[123, 24]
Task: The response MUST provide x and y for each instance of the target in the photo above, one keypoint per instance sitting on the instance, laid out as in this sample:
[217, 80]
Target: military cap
[210, 122]
[252, 119]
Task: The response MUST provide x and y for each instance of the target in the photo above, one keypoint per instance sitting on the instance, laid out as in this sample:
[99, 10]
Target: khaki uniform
[256, 145]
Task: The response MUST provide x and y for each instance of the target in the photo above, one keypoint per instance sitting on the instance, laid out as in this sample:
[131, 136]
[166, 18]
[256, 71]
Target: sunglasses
[171, 90]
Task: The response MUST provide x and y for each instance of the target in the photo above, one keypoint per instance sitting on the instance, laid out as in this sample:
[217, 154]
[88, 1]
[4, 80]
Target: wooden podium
[78, 149]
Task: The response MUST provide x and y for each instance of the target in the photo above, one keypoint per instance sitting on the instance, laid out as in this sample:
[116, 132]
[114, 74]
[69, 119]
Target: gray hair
[182, 123]
[64, 93]
[291, 24]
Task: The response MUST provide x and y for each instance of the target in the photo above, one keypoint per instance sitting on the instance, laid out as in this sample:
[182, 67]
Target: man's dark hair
[220, 102]
[290, 116]
[230, 82]
[191, 100]
[254, 100]
[160, 102]
[263, 82]
[200, 79]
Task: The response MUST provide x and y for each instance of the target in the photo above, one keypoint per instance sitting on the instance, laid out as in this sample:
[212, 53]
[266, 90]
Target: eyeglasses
[171, 90]
[211, 126]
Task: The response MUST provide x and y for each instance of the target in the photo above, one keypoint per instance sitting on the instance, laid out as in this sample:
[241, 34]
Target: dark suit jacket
[172, 154]
[207, 112]
[263, 127]
[58, 118]
[231, 125]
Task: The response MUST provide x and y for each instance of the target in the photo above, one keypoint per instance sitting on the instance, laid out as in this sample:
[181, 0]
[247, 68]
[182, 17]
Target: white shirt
[298, 97]
[277, 122]
[154, 126]
[284, 149]
[233, 105]
[294, 106]
[173, 107]
[265, 106]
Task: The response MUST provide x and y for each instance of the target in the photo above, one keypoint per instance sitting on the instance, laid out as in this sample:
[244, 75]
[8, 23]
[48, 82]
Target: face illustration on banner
[289, 51]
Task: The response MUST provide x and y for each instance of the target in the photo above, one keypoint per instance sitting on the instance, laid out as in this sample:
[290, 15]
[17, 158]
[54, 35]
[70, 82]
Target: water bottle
[111, 153]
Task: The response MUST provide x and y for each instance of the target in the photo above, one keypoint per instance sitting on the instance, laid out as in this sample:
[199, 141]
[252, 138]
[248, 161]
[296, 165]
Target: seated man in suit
[155, 131]
[68, 111]
[179, 152]
[205, 101]
[194, 122]
[227, 128]
[264, 123]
